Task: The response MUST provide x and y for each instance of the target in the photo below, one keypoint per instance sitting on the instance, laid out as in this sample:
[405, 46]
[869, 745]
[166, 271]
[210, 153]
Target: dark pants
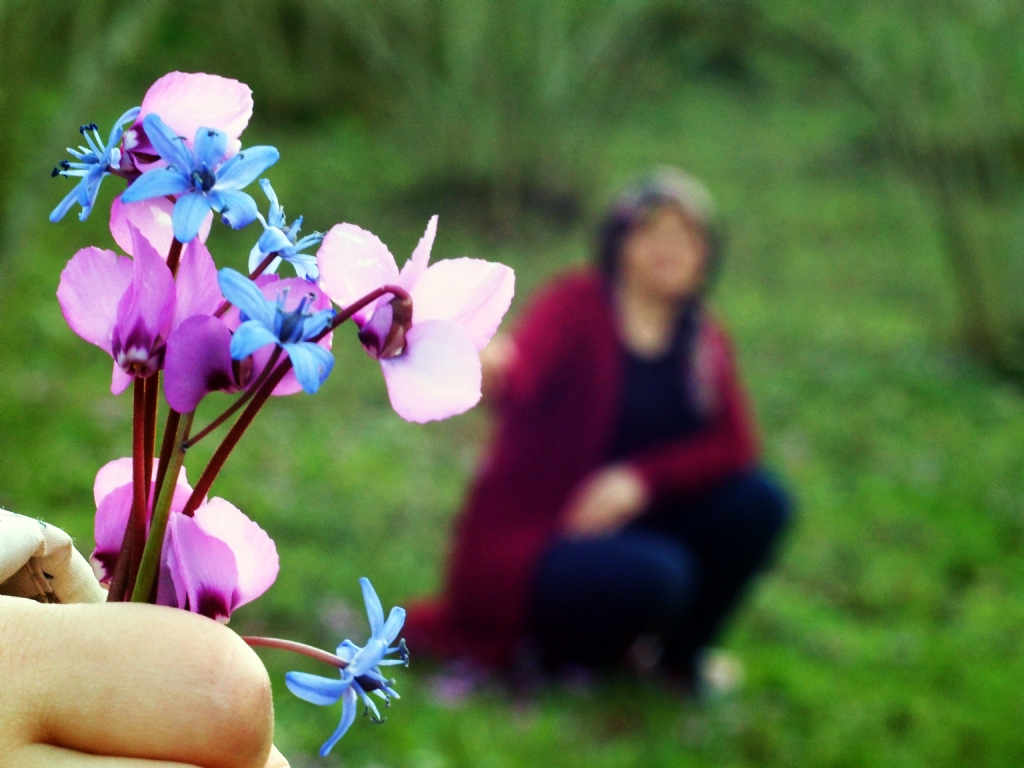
[676, 572]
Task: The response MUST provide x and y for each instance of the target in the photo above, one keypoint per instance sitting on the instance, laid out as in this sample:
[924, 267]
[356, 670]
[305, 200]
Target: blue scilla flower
[279, 238]
[92, 163]
[362, 676]
[266, 321]
[201, 176]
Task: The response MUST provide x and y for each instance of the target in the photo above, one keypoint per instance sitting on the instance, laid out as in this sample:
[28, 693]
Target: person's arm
[129, 686]
[726, 446]
[615, 494]
[520, 367]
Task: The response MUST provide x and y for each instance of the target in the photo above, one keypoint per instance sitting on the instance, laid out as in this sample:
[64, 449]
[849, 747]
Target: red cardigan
[556, 420]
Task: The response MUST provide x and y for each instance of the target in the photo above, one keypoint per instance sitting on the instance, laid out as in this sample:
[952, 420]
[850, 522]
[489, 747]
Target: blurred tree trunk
[944, 86]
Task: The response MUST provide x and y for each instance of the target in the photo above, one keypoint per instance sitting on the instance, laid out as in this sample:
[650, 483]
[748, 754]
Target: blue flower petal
[374, 610]
[169, 145]
[273, 239]
[242, 169]
[118, 130]
[308, 241]
[312, 364]
[316, 323]
[305, 266]
[157, 183]
[393, 625]
[237, 209]
[249, 337]
[65, 205]
[349, 706]
[244, 294]
[347, 650]
[188, 215]
[322, 691]
[256, 256]
[210, 146]
[276, 216]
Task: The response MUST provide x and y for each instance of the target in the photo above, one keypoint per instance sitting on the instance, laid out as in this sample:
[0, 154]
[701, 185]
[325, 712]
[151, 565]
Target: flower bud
[383, 336]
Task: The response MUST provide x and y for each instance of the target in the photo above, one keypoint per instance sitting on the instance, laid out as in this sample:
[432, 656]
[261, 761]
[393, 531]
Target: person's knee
[767, 505]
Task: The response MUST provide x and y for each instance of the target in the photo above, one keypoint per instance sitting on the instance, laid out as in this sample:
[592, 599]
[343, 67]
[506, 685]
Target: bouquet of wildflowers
[173, 322]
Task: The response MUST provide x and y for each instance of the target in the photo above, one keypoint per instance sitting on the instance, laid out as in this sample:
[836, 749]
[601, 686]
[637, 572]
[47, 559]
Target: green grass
[890, 632]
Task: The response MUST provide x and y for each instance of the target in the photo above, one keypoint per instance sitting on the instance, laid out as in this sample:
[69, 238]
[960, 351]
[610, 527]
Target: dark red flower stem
[240, 401]
[137, 519]
[290, 645]
[119, 579]
[238, 428]
[174, 256]
[260, 269]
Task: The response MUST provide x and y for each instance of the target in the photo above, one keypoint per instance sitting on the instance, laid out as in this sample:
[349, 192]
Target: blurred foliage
[944, 84]
[858, 151]
[497, 109]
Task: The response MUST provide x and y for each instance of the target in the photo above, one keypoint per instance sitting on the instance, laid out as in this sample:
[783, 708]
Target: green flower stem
[149, 569]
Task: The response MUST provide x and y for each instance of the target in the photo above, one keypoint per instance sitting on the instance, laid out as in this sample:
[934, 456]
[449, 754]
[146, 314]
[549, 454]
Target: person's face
[664, 255]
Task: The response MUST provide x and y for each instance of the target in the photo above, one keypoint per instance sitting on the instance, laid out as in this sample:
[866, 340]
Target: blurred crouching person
[622, 496]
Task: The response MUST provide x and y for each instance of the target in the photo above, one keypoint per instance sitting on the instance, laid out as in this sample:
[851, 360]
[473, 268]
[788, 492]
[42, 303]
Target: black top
[657, 402]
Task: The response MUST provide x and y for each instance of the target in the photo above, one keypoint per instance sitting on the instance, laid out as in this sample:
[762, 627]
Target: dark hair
[663, 187]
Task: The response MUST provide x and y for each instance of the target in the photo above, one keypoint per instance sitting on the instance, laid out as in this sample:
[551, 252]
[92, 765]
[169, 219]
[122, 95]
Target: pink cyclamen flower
[128, 307]
[212, 563]
[186, 101]
[457, 305]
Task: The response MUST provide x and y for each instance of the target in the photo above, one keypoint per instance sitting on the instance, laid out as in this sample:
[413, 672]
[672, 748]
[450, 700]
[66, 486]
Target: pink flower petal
[153, 219]
[196, 291]
[187, 101]
[437, 376]
[352, 263]
[119, 380]
[197, 361]
[472, 293]
[417, 264]
[202, 568]
[255, 554]
[108, 530]
[112, 475]
[91, 286]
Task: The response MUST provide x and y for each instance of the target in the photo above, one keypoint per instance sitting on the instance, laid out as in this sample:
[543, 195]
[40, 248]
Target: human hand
[124, 685]
[606, 500]
[495, 360]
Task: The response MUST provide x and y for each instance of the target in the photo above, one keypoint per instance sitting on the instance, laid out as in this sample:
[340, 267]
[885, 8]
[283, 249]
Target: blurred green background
[868, 158]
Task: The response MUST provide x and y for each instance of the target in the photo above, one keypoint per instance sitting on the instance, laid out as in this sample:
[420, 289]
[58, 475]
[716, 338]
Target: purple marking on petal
[108, 531]
[144, 312]
[202, 568]
[256, 558]
[375, 331]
